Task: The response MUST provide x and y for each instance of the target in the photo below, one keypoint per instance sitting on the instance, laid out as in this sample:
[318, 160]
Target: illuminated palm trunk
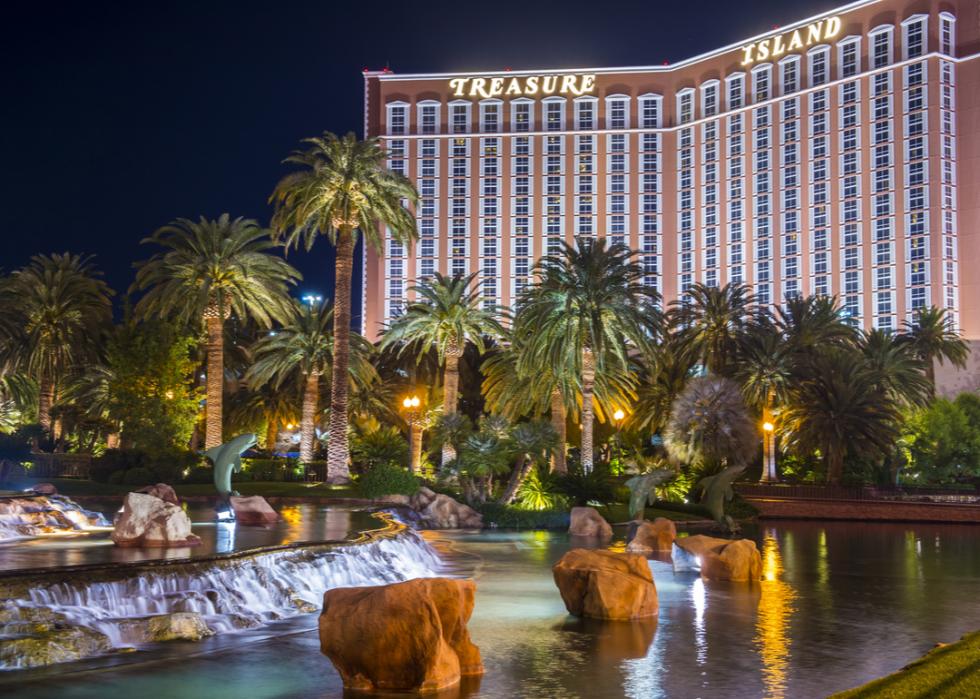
[517, 477]
[450, 391]
[45, 399]
[588, 384]
[558, 462]
[769, 474]
[338, 448]
[271, 433]
[415, 444]
[307, 425]
[215, 377]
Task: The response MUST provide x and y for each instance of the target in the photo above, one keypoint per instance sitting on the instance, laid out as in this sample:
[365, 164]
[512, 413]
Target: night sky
[116, 120]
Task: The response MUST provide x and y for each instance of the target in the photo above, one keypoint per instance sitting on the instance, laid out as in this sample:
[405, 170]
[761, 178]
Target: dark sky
[116, 119]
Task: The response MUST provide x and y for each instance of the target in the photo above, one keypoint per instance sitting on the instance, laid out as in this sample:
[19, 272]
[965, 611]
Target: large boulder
[51, 646]
[438, 511]
[586, 521]
[146, 520]
[162, 491]
[176, 626]
[718, 559]
[606, 585]
[408, 636]
[253, 510]
[653, 537]
[44, 489]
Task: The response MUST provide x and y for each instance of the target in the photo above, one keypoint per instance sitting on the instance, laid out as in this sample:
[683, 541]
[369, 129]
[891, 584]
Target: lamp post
[411, 406]
[618, 418]
[769, 452]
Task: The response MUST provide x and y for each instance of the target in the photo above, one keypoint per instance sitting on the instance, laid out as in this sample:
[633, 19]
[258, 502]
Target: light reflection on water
[772, 623]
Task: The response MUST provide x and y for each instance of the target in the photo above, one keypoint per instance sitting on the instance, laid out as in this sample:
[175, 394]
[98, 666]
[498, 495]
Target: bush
[278, 470]
[116, 477]
[138, 476]
[387, 479]
[581, 489]
[511, 517]
[163, 467]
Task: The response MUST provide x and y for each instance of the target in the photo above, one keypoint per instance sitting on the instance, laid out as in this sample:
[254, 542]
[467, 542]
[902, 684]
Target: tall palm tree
[273, 407]
[61, 307]
[301, 352]
[838, 407]
[342, 187]
[807, 322]
[899, 372]
[583, 315]
[933, 337]
[208, 271]
[712, 322]
[446, 314]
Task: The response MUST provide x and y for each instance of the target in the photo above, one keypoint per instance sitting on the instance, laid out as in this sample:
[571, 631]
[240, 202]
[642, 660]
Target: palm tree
[266, 405]
[342, 187]
[712, 322]
[301, 352]
[531, 443]
[583, 315]
[898, 370]
[61, 307]
[813, 321]
[933, 337]
[838, 407]
[209, 270]
[447, 314]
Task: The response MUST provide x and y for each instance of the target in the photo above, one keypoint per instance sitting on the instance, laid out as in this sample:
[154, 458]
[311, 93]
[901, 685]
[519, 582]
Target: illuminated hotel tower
[837, 156]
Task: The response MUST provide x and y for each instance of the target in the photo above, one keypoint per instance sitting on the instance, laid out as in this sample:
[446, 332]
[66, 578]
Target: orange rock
[653, 537]
[408, 636]
[723, 559]
[586, 521]
[606, 585]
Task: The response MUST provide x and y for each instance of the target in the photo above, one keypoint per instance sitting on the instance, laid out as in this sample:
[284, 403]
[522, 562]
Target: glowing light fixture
[618, 415]
[768, 426]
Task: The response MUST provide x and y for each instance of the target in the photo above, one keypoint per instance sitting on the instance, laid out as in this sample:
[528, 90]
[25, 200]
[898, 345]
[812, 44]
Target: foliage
[943, 441]
[387, 479]
[514, 517]
[582, 488]
[16, 446]
[385, 446]
[151, 467]
[932, 337]
[712, 324]
[539, 492]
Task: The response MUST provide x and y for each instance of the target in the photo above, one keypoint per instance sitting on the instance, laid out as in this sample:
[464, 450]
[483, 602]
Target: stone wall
[867, 510]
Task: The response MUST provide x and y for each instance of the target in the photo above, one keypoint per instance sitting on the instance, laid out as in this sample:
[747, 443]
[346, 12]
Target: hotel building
[836, 155]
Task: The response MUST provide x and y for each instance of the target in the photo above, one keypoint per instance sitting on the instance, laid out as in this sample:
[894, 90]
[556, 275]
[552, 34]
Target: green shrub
[385, 445]
[162, 467]
[387, 479]
[116, 477]
[511, 517]
[538, 492]
[138, 476]
[581, 489]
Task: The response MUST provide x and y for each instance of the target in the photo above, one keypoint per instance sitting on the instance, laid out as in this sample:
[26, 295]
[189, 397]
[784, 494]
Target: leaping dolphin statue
[226, 458]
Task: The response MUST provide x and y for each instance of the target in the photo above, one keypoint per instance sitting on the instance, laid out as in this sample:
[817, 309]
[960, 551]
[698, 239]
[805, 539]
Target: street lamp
[769, 448]
[618, 418]
[312, 300]
[412, 407]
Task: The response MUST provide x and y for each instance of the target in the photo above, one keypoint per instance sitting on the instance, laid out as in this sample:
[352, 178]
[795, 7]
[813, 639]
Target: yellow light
[415, 402]
[169, 395]
[290, 426]
[768, 426]
[618, 415]
[407, 403]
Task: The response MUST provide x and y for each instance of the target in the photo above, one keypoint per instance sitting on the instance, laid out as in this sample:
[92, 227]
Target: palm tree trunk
[215, 377]
[311, 399]
[931, 374]
[769, 474]
[450, 392]
[271, 434]
[415, 444]
[835, 465]
[45, 400]
[558, 420]
[588, 383]
[517, 477]
[338, 449]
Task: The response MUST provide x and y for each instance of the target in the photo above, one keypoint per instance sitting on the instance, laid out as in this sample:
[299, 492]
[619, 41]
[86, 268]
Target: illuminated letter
[477, 87]
[514, 88]
[496, 86]
[587, 84]
[763, 50]
[747, 50]
[832, 28]
[813, 32]
[777, 47]
[548, 84]
[796, 42]
[531, 86]
[568, 85]
[458, 85]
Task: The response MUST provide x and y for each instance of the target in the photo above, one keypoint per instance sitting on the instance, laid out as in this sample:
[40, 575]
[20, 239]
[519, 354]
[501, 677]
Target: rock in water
[408, 636]
[737, 560]
[50, 646]
[586, 521]
[176, 626]
[162, 491]
[253, 510]
[443, 512]
[653, 537]
[45, 489]
[149, 521]
[606, 585]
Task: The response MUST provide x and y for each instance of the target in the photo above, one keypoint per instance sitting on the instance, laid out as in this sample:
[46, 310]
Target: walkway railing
[838, 492]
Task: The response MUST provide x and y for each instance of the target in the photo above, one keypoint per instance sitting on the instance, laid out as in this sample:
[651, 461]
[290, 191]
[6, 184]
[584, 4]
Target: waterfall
[44, 515]
[229, 593]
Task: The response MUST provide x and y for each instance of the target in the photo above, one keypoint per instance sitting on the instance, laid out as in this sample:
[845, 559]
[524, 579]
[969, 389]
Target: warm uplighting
[768, 426]
[618, 415]
[169, 395]
[411, 402]
[290, 426]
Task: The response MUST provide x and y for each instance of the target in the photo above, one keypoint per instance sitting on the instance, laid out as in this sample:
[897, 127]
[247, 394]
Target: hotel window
[947, 25]
[709, 99]
[490, 117]
[617, 112]
[914, 40]
[461, 117]
[685, 105]
[554, 111]
[397, 119]
[585, 114]
[521, 115]
[760, 82]
[789, 69]
[650, 111]
[881, 46]
[819, 61]
[428, 117]
[735, 86]
[850, 57]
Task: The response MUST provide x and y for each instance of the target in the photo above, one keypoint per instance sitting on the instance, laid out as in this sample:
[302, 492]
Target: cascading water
[228, 594]
[44, 515]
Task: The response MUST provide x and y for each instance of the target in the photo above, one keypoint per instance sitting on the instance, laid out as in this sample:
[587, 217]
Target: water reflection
[700, 601]
[225, 537]
[776, 606]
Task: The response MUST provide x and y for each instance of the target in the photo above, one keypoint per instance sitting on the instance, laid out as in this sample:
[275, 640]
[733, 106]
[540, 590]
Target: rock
[396, 500]
[653, 537]
[718, 559]
[606, 585]
[149, 521]
[586, 521]
[253, 510]
[52, 646]
[162, 491]
[422, 498]
[45, 489]
[176, 626]
[443, 512]
[408, 636]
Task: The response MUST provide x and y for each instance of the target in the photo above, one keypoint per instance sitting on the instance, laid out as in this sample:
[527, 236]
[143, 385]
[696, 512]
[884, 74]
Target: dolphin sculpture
[643, 489]
[716, 491]
[226, 458]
